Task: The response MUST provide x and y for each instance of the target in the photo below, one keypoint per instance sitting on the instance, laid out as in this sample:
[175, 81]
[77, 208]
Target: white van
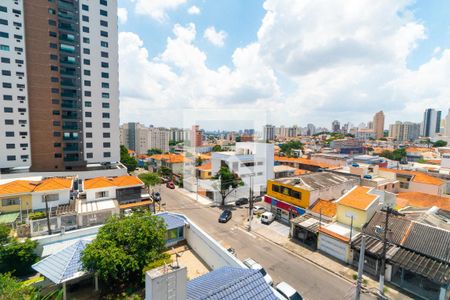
[267, 217]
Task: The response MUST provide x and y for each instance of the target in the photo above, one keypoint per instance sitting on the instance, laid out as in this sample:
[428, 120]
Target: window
[105, 105]
[5, 60]
[87, 83]
[88, 114]
[85, 29]
[105, 115]
[52, 34]
[105, 95]
[106, 125]
[87, 72]
[4, 47]
[86, 51]
[56, 134]
[105, 85]
[104, 33]
[53, 57]
[55, 101]
[23, 145]
[404, 185]
[57, 145]
[85, 18]
[6, 73]
[89, 134]
[105, 75]
[104, 2]
[88, 104]
[9, 122]
[58, 155]
[16, 11]
[86, 62]
[275, 188]
[106, 154]
[87, 93]
[88, 145]
[3, 22]
[51, 11]
[296, 194]
[102, 194]
[56, 113]
[103, 13]
[105, 64]
[54, 79]
[3, 9]
[50, 197]
[86, 40]
[10, 146]
[10, 157]
[103, 23]
[89, 155]
[8, 109]
[104, 54]
[4, 35]
[106, 145]
[88, 124]
[52, 22]
[54, 68]
[104, 44]
[56, 123]
[7, 85]
[55, 91]
[106, 135]
[7, 97]
[9, 133]
[85, 7]
[11, 201]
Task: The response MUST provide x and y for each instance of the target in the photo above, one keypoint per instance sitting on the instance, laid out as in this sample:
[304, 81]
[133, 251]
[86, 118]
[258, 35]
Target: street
[310, 280]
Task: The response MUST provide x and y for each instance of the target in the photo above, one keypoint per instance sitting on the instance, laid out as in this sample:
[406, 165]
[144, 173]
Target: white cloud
[313, 61]
[156, 9]
[194, 10]
[178, 78]
[122, 13]
[217, 38]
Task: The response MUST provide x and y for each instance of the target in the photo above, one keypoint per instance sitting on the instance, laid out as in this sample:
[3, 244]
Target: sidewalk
[202, 200]
[279, 234]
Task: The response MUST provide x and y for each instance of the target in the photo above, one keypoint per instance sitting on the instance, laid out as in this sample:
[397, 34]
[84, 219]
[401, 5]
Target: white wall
[120, 171]
[22, 154]
[39, 203]
[90, 194]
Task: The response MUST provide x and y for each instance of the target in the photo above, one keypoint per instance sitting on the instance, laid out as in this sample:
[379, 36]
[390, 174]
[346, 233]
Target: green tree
[172, 143]
[287, 148]
[17, 257]
[216, 148]
[127, 160]
[238, 139]
[198, 161]
[165, 172]
[440, 143]
[150, 179]
[229, 181]
[4, 233]
[154, 151]
[123, 247]
[397, 154]
[11, 288]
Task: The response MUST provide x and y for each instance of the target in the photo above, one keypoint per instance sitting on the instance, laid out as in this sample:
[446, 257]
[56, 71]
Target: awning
[136, 204]
[86, 207]
[7, 218]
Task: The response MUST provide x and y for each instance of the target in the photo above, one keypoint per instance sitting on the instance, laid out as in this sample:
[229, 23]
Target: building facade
[404, 131]
[378, 124]
[269, 133]
[66, 68]
[431, 122]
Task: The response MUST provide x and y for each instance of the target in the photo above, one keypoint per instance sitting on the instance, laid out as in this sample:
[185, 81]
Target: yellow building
[358, 204]
[204, 171]
[285, 190]
[16, 196]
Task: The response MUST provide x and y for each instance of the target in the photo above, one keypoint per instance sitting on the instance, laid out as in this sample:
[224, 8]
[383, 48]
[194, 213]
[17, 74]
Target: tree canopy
[17, 257]
[150, 179]
[154, 151]
[287, 148]
[216, 148]
[4, 234]
[228, 181]
[127, 160]
[11, 288]
[440, 143]
[124, 246]
[397, 154]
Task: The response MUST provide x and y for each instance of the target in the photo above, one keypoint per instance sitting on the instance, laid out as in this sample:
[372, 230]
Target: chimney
[166, 283]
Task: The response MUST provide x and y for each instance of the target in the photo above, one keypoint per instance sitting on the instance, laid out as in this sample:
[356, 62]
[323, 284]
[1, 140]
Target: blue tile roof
[172, 221]
[63, 265]
[228, 283]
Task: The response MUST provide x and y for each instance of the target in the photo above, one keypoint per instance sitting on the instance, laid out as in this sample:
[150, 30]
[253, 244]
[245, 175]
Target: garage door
[333, 247]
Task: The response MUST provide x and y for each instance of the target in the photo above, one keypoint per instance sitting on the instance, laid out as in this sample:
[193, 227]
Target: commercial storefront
[283, 211]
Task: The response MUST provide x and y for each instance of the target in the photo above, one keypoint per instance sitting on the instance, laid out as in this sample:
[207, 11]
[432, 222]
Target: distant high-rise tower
[335, 126]
[269, 133]
[59, 106]
[196, 136]
[431, 122]
[378, 124]
[447, 124]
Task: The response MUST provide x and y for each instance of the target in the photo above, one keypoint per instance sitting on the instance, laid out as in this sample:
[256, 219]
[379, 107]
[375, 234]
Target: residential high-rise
[269, 133]
[158, 138]
[378, 124]
[404, 131]
[447, 124]
[196, 136]
[311, 129]
[63, 88]
[431, 122]
[335, 126]
[176, 135]
[138, 137]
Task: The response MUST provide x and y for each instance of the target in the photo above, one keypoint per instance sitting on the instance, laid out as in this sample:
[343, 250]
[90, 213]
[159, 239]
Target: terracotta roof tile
[328, 208]
[17, 187]
[205, 167]
[334, 234]
[51, 184]
[358, 198]
[29, 186]
[423, 200]
[171, 158]
[303, 161]
[120, 181]
[419, 177]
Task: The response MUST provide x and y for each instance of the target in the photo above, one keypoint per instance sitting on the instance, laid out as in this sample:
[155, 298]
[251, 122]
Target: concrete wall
[211, 252]
[39, 203]
[90, 194]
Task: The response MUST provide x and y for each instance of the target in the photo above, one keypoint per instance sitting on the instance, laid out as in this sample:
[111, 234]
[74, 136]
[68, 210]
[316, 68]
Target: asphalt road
[310, 280]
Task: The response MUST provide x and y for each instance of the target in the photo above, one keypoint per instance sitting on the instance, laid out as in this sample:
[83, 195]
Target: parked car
[267, 217]
[252, 264]
[258, 209]
[288, 291]
[156, 196]
[257, 199]
[225, 216]
[170, 185]
[241, 201]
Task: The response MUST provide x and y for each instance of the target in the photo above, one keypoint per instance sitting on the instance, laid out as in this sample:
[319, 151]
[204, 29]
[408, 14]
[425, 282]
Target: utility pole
[362, 250]
[196, 177]
[383, 258]
[48, 216]
[250, 204]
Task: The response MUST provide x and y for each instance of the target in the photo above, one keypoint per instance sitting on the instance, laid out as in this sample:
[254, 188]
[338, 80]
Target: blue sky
[312, 62]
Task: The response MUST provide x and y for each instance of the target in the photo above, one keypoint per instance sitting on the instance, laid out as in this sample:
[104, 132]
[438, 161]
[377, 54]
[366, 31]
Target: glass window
[5, 60]
[85, 7]
[4, 34]
[11, 201]
[11, 157]
[104, 44]
[4, 47]
[103, 13]
[106, 154]
[3, 9]
[85, 18]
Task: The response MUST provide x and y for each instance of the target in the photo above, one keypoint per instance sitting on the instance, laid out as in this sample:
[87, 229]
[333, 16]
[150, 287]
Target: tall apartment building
[378, 124]
[404, 131]
[14, 113]
[158, 138]
[138, 137]
[63, 107]
[196, 136]
[447, 124]
[176, 135]
[335, 126]
[269, 133]
[431, 122]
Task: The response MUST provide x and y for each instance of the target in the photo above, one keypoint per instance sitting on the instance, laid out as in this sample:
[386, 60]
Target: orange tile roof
[419, 177]
[120, 181]
[130, 151]
[17, 187]
[358, 198]
[171, 158]
[419, 149]
[51, 184]
[143, 156]
[417, 199]
[328, 208]
[304, 161]
[298, 172]
[205, 167]
[334, 234]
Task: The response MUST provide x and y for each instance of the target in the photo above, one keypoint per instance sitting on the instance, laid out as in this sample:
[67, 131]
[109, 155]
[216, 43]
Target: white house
[252, 161]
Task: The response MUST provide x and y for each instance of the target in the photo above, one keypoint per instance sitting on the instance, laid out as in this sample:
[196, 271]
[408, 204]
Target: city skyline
[316, 80]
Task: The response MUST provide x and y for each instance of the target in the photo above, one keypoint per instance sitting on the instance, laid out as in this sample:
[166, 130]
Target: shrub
[37, 215]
